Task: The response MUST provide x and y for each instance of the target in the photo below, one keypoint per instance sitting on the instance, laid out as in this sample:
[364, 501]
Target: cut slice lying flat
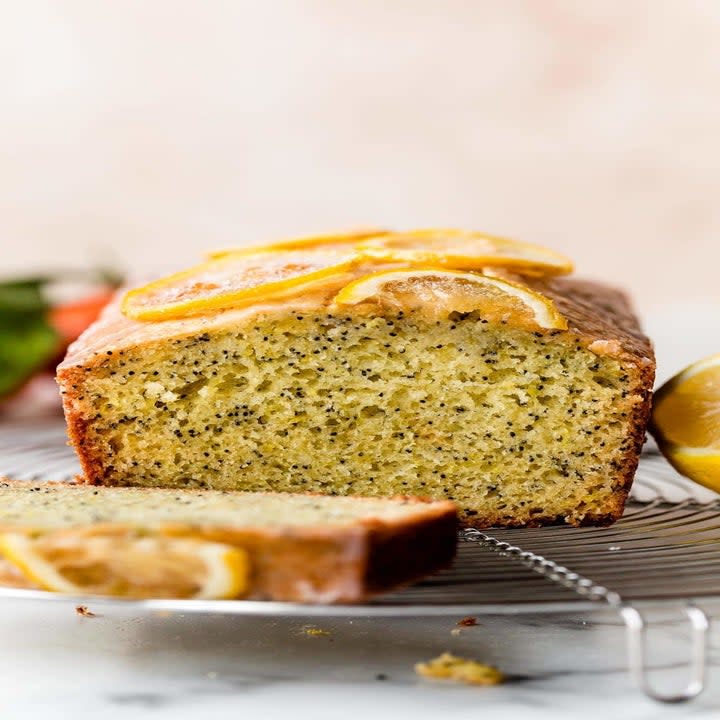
[442, 292]
[179, 543]
[686, 421]
[127, 565]
[464, 250]
[237, 280]
[328, 240]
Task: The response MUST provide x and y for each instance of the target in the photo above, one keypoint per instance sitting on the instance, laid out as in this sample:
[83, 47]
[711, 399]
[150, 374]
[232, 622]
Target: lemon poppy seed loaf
[523, 398]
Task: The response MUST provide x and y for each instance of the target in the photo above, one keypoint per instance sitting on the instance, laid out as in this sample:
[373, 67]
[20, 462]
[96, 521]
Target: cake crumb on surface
[468, 621]
[316, 632]
[450, 667]
[83, 611]
[463, 623]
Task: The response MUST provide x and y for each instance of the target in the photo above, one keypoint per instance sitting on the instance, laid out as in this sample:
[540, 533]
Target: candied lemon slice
[438, 291]
[464, 250]
[328, 240]
[128, 565]
[236, 281]
[686, 421]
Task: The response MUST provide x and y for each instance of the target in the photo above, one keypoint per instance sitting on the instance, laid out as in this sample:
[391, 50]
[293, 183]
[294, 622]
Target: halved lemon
[328, 240]
[128, 565]
[464, 250]
[437, 291]
[686, 421]
[238, 280]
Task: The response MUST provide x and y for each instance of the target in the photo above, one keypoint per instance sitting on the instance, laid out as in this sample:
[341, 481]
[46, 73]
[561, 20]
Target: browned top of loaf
[600, 315]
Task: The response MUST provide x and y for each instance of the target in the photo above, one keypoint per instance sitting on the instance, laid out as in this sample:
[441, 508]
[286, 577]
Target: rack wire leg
[637, 661]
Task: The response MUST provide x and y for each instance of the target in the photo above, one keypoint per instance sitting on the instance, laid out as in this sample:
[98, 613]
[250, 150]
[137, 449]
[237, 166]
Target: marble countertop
[57, 664]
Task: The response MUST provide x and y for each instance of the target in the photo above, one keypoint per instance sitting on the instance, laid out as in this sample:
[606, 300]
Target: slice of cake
[438, 363]
[138, 542]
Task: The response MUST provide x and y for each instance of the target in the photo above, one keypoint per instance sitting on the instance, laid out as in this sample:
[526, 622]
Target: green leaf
[27, 341]
[22, 297]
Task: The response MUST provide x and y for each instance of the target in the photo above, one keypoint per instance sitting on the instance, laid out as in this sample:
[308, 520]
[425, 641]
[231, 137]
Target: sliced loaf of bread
[140, 542]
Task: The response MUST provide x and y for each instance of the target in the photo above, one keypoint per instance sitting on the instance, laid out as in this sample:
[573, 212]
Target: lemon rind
[544, 310]
[17, 549]
[305, 242]
[664, 442]
[235, 299]
[545, 262]
[227, 566]
[689, 372]
[229, 572]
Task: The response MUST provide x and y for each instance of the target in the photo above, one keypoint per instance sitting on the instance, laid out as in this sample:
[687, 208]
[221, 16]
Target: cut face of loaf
[517, 427]
[304, 548]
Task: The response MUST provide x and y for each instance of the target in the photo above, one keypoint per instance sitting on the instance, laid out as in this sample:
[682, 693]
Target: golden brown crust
[414, 543]
[601, 316]
[322, 564]
[606, 315]
[77, 425]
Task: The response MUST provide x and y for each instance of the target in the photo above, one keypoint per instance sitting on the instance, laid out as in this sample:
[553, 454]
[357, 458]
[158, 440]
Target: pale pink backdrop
[141, 132]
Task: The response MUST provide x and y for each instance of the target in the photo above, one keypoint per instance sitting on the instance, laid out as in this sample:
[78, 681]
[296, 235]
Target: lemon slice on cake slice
[686, 421]
[238, 280]
[464, 250]
[340, 240]
[128, 566]
[436, 291]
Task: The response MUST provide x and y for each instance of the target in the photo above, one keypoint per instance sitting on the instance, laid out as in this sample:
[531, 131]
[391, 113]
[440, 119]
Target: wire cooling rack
[666, 548]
